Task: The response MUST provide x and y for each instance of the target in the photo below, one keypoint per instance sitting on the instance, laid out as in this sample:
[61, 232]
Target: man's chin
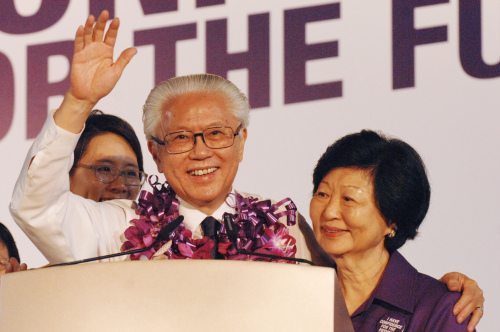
[204, 201]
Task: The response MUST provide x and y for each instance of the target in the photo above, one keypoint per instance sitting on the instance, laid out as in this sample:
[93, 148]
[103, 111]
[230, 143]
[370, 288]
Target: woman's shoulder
[432, 289]
[434, 306]
[426, 300]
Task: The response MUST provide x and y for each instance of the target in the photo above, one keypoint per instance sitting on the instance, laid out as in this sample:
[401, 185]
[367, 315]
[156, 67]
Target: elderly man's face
[203, 177]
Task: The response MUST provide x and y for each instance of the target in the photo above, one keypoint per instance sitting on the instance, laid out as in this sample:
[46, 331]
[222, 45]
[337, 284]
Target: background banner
[427, 72]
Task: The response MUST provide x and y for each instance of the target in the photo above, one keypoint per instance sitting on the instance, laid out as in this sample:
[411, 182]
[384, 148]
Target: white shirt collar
[193, 217]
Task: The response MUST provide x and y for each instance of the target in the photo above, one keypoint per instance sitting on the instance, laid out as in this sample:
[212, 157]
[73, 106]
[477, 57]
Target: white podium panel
[169, 295]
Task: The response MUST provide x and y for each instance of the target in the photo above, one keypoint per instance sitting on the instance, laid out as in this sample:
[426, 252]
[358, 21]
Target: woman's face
[4, 257]
[345, 219]
[110, 150]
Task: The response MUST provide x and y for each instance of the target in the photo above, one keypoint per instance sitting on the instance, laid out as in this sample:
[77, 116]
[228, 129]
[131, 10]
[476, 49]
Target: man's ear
[153, 149]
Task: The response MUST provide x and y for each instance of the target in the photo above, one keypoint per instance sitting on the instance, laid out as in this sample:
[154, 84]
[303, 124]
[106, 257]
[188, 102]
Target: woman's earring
[392, 233]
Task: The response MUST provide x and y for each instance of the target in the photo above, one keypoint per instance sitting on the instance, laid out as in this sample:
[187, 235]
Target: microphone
[163, 235]
[232, 234]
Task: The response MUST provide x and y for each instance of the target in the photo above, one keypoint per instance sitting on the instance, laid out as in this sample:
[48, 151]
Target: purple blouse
[406, 300]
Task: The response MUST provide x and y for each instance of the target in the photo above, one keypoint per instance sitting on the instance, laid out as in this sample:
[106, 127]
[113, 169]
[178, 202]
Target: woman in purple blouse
[371, 194]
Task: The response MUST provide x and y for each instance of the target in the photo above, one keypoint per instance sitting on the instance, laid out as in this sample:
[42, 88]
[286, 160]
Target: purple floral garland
[257, 221]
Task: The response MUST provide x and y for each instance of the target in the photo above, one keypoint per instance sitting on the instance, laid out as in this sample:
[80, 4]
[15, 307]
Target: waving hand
[93, 72]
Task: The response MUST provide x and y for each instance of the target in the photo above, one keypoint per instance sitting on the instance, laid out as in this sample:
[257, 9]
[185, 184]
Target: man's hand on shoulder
[472, 299]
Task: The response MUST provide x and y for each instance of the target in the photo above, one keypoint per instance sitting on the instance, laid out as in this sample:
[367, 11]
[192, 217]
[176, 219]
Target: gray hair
[183, 85]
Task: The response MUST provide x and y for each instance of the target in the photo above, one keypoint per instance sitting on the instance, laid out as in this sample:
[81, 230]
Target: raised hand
[93, 72]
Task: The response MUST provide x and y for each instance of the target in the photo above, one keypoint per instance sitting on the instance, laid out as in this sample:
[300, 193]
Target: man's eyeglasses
[108, 174]
[184, 141]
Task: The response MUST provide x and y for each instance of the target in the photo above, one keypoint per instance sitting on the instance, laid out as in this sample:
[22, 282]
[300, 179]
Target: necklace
[259, 228]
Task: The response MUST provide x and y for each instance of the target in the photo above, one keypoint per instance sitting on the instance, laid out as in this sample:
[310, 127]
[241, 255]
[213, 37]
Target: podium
[169, 295]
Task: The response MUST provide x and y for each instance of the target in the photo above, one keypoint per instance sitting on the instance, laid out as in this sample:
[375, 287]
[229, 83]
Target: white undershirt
[194, 217]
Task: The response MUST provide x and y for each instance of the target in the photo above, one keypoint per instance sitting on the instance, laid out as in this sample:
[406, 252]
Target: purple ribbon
[258, 222]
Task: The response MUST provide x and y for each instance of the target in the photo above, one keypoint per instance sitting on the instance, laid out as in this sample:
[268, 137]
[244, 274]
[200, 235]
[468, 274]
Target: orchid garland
[257, 222]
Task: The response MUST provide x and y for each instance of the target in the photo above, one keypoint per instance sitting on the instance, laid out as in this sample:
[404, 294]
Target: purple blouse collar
[398, 286]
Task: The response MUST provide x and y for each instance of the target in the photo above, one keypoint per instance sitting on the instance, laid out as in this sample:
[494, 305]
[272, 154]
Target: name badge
[391, 322]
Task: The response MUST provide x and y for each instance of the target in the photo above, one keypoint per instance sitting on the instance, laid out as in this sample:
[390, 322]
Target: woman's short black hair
[99, 123]
[401, 187]
[7, 239]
